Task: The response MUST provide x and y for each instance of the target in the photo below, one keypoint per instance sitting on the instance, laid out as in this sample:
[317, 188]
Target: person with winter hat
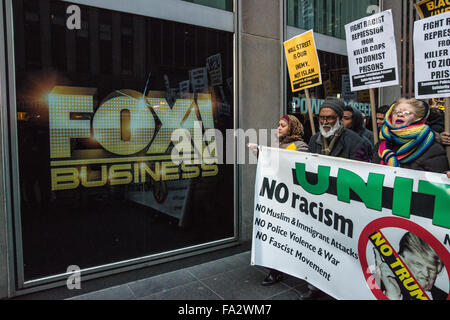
[333, 139]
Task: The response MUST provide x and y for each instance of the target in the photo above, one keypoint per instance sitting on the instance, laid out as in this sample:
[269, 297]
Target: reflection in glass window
[218, 4]
[327, 16]
[97, 108]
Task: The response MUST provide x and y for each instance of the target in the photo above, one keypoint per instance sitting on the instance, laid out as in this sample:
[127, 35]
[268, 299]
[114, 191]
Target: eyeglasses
[403, 113]
[327, 118]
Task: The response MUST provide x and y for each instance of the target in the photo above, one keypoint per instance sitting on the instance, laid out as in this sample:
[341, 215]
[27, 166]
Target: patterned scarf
[413, 140]
[295, 130]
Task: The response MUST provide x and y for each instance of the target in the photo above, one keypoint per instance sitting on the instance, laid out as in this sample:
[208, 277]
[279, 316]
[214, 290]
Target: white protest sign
[372, 54]
[432, 57]
[199, 80]
[184, 87]
[349, 227]
[214, 66]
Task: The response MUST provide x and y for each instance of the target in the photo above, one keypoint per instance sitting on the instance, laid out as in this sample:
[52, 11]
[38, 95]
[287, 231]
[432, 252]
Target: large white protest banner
[372, 54]
[354, 230]
[432, 57]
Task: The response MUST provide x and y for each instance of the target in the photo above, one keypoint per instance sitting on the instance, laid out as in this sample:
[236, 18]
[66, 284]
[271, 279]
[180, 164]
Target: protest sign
[303, 66]
[372, 54]
[432, 57]
[345, 226]
[184, 87]
[199, 80]
[302, 61]
[214, 66]
[346, 92]
[428, 8]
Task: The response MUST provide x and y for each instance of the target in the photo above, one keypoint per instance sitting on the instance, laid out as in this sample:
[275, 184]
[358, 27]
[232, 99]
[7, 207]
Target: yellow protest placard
[302, 61]
[428, 8]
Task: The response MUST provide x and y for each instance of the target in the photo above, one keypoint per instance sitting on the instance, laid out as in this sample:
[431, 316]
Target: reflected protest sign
[372, 54]
[199, 80]
[214, 67]
[302, 61]
[355, 230]
[428, 8]
[432, 57]
[185, 87]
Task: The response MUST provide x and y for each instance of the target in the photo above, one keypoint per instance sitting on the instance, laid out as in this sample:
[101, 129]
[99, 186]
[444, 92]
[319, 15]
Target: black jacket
[438, 294]
[358, 126]
[349, 145]
[434, 159]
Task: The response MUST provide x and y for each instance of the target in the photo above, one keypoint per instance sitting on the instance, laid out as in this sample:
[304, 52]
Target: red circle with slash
[396, 222]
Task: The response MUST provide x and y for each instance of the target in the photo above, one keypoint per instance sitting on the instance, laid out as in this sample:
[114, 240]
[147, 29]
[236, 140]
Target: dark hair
[382, 109]
[348, 108]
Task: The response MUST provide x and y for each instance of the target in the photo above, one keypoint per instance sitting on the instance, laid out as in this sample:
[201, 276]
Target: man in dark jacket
[334, 139]
[354, 120]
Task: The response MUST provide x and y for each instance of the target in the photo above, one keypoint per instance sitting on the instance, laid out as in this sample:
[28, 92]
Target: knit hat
[334, 103]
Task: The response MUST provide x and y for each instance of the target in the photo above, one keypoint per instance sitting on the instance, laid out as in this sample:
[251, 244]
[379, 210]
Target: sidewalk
[230, 278]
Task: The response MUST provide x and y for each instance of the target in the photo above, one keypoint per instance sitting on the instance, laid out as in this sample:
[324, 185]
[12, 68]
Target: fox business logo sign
[136, 130]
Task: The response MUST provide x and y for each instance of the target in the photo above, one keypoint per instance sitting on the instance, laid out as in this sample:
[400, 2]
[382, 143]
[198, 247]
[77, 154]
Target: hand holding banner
[321, 219]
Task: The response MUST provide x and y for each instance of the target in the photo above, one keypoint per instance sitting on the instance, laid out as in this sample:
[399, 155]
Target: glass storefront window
[327, 16]
[97, 107]
[218, 4]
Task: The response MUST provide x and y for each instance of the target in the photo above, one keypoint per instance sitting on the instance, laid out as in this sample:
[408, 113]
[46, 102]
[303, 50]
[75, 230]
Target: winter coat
[349, 145]
[297, 146]
[436, 120]
[358, 126]
[434, 159]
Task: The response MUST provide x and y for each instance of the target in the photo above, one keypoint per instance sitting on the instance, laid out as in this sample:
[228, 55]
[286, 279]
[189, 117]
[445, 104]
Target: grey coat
[300, 145]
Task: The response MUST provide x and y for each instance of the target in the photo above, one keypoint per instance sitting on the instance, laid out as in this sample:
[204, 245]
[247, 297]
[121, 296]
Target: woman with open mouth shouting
[407, 142]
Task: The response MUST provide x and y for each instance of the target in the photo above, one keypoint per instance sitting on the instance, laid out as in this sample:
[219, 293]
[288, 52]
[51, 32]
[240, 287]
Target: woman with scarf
[290, 136]
[407, 142]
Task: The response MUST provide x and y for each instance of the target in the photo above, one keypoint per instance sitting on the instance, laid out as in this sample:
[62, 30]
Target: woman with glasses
[407, 142]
